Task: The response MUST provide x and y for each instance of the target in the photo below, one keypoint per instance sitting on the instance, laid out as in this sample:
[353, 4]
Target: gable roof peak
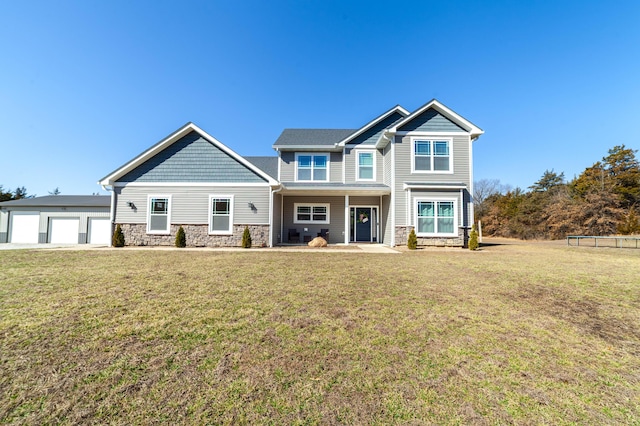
[399, 109]
[170, 140]
[474, 130]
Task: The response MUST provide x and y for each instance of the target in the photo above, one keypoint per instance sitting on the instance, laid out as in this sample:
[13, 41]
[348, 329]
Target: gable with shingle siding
[192, 159]
[431, 121]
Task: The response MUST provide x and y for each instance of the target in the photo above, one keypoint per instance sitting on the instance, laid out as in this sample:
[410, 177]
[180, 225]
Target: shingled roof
[61, 201]
[311, 137]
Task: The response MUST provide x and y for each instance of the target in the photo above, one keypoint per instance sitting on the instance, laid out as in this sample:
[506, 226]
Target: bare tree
[483, 189]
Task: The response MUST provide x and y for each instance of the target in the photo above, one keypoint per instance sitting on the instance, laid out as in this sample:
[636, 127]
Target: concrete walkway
[377, 248]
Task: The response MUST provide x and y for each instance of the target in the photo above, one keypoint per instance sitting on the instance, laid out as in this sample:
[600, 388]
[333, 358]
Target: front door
[363, 224]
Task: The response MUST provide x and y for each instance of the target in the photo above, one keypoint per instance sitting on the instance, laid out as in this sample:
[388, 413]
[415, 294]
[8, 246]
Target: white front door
[24, 227]
[99, 230]
[64, 230]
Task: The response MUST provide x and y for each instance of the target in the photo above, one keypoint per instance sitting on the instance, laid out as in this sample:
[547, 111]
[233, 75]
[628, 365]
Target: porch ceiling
[328, 189]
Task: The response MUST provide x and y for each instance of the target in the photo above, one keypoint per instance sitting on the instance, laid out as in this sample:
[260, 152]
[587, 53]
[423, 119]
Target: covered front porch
[339, 215]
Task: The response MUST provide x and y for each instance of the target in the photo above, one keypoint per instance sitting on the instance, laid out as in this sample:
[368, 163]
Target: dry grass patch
[512, 334]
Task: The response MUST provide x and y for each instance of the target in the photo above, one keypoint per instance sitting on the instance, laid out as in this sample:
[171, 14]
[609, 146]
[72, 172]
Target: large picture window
[311, 213]
[158, 220]
[221, 214]
[436, 217]
[366, 165]
[432, 156]
[312, 167]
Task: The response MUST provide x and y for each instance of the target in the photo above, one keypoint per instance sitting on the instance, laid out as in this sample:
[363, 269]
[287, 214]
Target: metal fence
[593, 241]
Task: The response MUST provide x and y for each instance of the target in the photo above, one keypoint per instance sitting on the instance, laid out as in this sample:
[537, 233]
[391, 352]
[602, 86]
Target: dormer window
[312, 167]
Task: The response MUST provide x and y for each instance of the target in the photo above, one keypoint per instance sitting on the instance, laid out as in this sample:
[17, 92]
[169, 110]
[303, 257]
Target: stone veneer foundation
[402, 235]
[135, 234]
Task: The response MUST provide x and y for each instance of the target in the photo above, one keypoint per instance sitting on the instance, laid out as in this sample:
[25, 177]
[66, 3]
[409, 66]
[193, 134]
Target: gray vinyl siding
[4, 226]
[288, 166]
[461, 170]
[386, 228]
[335, 174]
[46, 213]
[431, 121]
[336, 218]
[386, 167]
[190, 204]
[373, 200]
[351, 165]
[192, 159]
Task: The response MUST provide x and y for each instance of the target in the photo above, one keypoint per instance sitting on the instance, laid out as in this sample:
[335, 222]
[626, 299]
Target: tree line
[603, 200]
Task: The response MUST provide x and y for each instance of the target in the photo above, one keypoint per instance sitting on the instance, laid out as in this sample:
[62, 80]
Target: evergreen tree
[473, 238]
[246, 238]
[412, 240]
[118, 237]
[181, 238]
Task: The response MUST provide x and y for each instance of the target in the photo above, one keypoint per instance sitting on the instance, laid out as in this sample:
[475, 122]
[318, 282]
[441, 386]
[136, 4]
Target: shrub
[246, 238]
[412, 241]
[181, 238]
[473, 239]
[118, 237]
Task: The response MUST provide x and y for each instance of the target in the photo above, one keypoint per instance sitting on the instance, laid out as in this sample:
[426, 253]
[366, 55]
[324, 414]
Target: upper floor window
[221, 216]
[158, 220]
[312, 167]
[366, 165]
[432, 156]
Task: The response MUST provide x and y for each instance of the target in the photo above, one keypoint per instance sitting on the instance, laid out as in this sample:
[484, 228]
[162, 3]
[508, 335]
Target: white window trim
[312, 205]
[431, 139]
[161, 232]
[358, 152]
[312, 154]
[436, 234]
[210, 214]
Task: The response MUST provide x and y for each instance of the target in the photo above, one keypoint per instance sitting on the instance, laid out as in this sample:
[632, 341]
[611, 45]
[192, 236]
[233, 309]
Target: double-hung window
[221, 214]
[158, 221]
[436, 217]
[432, 156]
[312, 167]
[366, 165]
[311, 213]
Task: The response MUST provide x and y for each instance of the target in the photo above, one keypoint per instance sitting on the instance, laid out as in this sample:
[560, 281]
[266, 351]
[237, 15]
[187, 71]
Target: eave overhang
[333, 189]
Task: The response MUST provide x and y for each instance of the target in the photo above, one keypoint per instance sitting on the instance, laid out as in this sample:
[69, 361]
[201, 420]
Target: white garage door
[99, 231]
[64, 230]
[24, 227]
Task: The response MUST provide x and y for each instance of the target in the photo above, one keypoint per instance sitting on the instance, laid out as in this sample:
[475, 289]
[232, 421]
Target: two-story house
[373, 184]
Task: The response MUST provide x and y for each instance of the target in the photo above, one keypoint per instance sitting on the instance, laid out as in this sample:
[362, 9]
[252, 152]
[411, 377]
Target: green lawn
[515, 333]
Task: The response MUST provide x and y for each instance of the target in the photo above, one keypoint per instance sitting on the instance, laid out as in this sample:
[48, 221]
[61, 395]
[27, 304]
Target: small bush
[473, 239]
[412, 241]
[118, 237]
[246, 238]
[181, 238]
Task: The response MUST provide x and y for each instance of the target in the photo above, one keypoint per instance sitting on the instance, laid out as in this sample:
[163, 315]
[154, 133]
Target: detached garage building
[56, 219]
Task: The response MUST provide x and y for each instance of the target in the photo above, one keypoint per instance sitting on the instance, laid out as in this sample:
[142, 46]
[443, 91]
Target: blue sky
[86, 86]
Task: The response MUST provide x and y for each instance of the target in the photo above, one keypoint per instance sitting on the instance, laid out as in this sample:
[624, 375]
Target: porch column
[346, 219]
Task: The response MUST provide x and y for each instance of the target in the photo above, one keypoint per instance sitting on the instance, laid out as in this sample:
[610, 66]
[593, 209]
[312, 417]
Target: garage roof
[61, 201]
